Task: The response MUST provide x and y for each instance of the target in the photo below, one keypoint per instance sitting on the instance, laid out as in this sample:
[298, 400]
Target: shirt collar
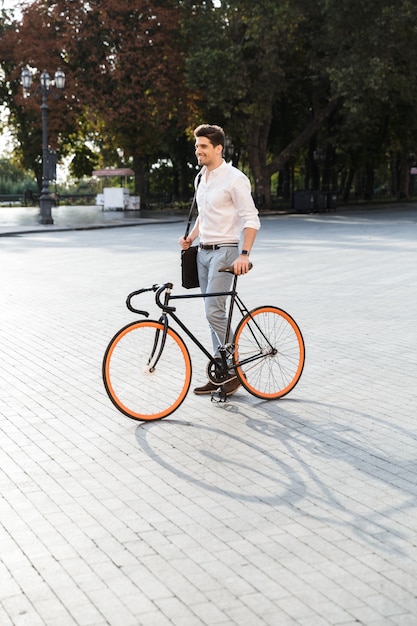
[219, 169]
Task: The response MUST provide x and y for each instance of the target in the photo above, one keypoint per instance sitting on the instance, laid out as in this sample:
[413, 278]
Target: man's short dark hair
[214, 133]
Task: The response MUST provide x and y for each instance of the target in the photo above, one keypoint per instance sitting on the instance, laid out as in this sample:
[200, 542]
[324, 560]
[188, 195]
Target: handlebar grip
[229, 268]
[129, 303]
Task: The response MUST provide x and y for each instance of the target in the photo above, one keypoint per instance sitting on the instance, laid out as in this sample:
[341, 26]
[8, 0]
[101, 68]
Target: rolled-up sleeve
[243, 201]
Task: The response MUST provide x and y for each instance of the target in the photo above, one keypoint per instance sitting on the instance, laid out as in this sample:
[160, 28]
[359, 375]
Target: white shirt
[225, 205]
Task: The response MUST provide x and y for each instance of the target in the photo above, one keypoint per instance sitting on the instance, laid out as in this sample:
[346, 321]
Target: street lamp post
[44, 88]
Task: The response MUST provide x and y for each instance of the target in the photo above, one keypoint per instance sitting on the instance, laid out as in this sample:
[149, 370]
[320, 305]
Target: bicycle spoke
[138, 387]
[269, 352]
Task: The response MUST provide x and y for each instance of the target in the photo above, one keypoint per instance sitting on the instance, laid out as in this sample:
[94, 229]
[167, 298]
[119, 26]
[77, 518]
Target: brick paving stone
[299, 512]
[5, 618]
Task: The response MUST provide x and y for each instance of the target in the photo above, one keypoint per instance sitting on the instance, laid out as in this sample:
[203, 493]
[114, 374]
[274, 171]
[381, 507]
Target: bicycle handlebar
[159, 290]
[132, 295]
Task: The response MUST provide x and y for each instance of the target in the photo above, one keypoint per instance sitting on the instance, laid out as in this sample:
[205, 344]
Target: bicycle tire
[271, 343]
[133, 388]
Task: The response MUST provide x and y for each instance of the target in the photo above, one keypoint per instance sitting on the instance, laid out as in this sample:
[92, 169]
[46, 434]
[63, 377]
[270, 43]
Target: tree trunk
[348, 184]
[369, 182]
[182, 176]
[404, 182]
[257, 149]
[327, 179]
[314, 163]
[301, 140]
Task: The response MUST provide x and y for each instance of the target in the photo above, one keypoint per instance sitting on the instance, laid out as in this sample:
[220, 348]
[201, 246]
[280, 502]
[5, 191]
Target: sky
[10, 4]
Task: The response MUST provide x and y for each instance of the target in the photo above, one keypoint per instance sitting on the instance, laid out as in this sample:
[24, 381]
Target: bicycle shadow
[273, 449]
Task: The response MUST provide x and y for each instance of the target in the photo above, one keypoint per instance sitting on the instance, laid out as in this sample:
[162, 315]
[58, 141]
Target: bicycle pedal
[221, 395]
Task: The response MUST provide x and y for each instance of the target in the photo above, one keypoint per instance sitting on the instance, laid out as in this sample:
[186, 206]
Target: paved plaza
[299, 512]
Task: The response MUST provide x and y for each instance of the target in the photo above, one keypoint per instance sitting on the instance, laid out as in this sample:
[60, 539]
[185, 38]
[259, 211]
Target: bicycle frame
[168, 310]
[234, 300]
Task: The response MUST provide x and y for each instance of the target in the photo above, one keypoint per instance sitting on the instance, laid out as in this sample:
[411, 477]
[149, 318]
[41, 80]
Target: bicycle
[147, 366]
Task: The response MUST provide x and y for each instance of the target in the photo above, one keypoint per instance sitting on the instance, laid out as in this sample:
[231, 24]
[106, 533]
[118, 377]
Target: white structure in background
[116, 198]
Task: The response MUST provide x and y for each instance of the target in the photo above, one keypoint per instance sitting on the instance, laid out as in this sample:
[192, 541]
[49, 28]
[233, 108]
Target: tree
[123, 67]
[33, 41]
[127, 66]
[288, 81]
[318, 58]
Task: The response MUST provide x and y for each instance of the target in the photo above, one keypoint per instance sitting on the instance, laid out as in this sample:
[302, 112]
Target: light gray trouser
[211, 280]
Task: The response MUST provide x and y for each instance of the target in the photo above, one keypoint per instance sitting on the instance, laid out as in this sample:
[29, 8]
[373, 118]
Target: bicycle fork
[158, 344]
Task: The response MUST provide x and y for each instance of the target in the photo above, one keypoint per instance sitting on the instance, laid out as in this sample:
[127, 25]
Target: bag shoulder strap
[193, 204]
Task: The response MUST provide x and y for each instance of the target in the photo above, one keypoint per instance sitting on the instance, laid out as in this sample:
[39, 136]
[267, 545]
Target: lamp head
[26, 79]
[45, 80]
[59, 79]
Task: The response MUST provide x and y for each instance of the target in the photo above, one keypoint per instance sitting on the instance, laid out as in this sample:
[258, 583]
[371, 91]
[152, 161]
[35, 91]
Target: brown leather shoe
[209, 387]
[231, 386]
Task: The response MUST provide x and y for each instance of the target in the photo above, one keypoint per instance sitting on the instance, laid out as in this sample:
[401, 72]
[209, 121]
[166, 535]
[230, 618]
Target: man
[225, 211]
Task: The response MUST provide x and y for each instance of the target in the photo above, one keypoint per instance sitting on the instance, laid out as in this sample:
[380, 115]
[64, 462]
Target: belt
[216, 246]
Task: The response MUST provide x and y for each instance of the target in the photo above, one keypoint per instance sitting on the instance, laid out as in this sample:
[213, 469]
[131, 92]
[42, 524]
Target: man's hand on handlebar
[241, 265]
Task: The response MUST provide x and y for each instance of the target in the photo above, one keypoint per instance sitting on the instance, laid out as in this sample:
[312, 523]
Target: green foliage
[13, 180]
[83, 162]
